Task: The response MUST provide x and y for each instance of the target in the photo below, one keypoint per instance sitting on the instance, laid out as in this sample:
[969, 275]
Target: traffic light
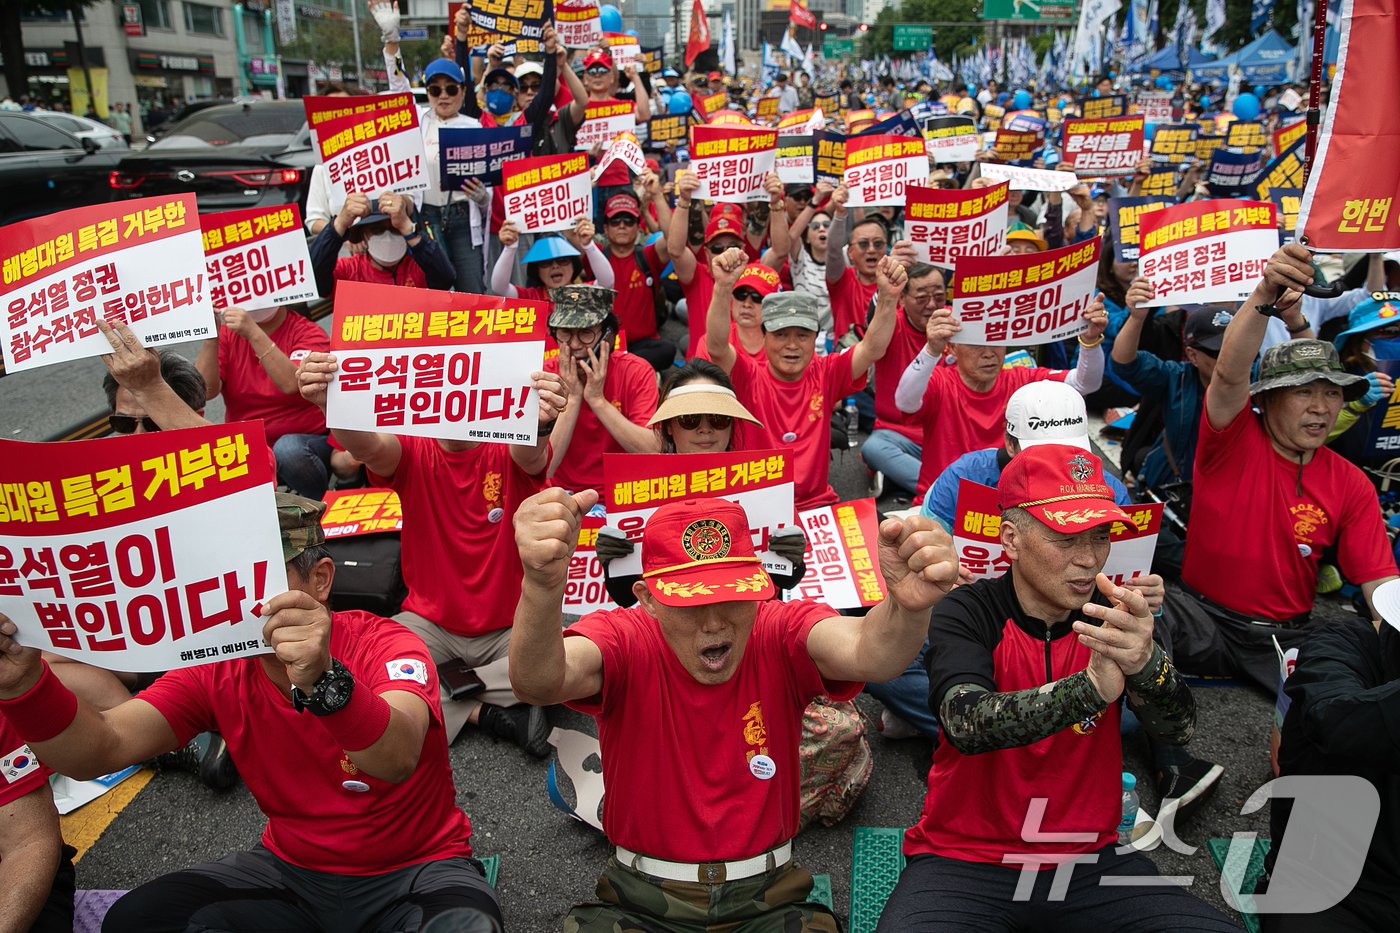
[822, 26]
[863, 27]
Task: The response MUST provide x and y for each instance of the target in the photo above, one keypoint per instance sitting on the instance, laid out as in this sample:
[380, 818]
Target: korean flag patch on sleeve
[18, 763]
[408, 669]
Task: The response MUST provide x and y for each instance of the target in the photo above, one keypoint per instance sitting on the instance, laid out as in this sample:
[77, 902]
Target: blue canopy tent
[1169, 63]
[1267, 60]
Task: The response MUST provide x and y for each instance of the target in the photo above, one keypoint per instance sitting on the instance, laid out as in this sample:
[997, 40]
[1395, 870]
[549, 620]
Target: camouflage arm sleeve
[977, 720]
[1162, 701]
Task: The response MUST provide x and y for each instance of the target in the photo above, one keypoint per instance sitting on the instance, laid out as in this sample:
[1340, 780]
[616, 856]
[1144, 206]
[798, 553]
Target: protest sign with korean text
[518, 25]
[1161, 183]
[1247, 134]
[140, 262]
[1123, 214]
[544, 193]
[897, 124]
[586, 585]
[436, 364]
[373, 153]
[1206, 144]
[843, 558]
[1028, 299]
[1385, 417]
[1287, 202]
[624, 49]
[624, 149]
[1175, 143]
[1017, 148]
[801, 122]
[727, 117]
[479, 152]
[830, 157]
[1096, 108]
[352, 512]
[578, 23]
[1155, 106]
[946, 224]
[1111, 146]
[878, 168]
[827, 103]
[1029, 179]
[952, 139]
[653, 62]
[765, 110]
[1205, 251]
[732, 162]
[1232, 171]
[795, 160]
[257, 258]
[322, 109]
[760, 481]
[711, 104]
[1286, 136]
[141, 553]
[1283, 171]
[671, 128]
[603, 120]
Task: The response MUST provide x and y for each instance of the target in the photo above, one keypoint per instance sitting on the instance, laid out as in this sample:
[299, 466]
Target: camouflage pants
[630, 902]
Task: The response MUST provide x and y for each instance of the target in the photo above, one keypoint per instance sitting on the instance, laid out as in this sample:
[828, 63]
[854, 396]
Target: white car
[83, 128]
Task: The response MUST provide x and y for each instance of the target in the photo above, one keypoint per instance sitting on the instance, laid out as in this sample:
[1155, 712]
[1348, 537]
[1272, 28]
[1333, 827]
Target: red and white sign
[577, 23]
[603, 120]
[141, 553]
[1107, 146]
[1029, 179]
[625, 148]
[952, 139]
[977, 536]
[624, 49]
[732, 162]
[440, 364]
[878, 167]
[1025, 300]
[1205, 251]
[801, 122]
[760, 481]
[946, 224]
[320, 110]
[586, 587]
[140, 262]
[373, 153]
[352, 512]
[843, 557]
[1155, 106]
[544, 193]
[257, 258]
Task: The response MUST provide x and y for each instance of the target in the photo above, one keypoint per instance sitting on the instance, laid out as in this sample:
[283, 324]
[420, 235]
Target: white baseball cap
[1047, 412]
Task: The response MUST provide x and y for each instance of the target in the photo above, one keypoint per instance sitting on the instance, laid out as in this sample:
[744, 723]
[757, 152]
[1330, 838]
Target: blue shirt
[981, 466]
[1177, 385]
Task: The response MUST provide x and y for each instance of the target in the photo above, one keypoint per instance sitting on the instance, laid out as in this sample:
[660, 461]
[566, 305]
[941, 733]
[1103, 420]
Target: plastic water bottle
[852, 421]
[1130, 810]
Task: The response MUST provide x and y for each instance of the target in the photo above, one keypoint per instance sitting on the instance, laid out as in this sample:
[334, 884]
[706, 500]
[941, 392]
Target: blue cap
[549, 247]
[1379, 310]
[444, 66]
[1097, 191]
[670, 73]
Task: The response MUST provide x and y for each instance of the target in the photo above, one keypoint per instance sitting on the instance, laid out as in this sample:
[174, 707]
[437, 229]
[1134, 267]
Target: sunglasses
[717, 248]
[528, 86]
[801, 197]
[747, 294]
[622, 220]
[868, 245]
[126, 424]
[691, 422]
[819, 224]
[437, 90]
[596, 70]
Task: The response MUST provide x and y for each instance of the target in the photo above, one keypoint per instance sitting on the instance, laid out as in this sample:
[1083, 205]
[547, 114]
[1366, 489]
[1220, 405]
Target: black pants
[1209, 640]
[257, 892]
[945, 895]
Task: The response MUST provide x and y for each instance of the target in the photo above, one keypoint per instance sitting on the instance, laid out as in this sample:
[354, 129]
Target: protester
[806, 258]
[641, 304]
[746, 334]
[460, 220]
[851, 286]
[1372, 328]
[552, 262]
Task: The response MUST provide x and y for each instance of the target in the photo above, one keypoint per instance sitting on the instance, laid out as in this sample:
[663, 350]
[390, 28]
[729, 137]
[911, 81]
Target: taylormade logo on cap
[1042, 424]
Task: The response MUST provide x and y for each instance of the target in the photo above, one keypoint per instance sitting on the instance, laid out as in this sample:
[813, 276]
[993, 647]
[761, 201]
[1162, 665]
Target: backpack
[653, 279]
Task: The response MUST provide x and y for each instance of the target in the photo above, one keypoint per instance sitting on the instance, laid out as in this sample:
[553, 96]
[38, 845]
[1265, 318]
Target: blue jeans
[303, 463]
[894, 455]
[907, 696]
[452, 226]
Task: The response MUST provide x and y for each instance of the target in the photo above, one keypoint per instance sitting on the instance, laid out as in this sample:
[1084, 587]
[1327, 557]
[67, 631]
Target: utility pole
[355, 26]
[82, 58]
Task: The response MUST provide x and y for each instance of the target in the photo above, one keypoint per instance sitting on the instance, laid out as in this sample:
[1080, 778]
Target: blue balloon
[1163, 82]
[1246, 106]
[610, 18]
[631, 32]
[1148, 129]
[1022, 100]
[680, 103]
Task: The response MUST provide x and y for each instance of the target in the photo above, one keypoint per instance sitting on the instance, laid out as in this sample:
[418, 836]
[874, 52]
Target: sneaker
[877, 484]
[526, 726]
[1183, 788]
[206, 756]
[894, 727]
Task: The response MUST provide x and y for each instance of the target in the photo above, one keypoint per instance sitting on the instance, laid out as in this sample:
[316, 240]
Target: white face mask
[266, 314]
[387, 248]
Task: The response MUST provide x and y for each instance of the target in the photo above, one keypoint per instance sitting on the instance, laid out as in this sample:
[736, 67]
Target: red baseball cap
[758, 277]
[1063, 487]
[724, 225]
[597, 57]
[714, 76]
[622, 204]
[699, 552]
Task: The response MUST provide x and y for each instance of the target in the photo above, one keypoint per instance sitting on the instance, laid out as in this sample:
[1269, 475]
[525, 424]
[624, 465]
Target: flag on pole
[726, 44]
[790, 47]
[699, 39]
[799, 15]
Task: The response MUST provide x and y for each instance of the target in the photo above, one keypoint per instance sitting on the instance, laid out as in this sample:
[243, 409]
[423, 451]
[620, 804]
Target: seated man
[372, 729]
[38, 892]
[699, 693]
[1268, 497]
[1039, 751]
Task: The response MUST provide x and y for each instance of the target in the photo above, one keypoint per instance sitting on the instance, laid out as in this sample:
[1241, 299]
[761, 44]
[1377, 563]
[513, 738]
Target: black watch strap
[329, 694]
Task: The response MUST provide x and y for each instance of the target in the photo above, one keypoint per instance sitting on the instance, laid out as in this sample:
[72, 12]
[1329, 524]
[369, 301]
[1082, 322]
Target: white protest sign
[1205, 251]
[544, 193]
[375, 153]
[257, 258]
[1029, 179]
[603, 121]
[1025, 300]
[952, 139]
[732, 162]
[878, 167]
[946, 224]
[625, 149]
[795, 160]
[577, 23]
[843, 564]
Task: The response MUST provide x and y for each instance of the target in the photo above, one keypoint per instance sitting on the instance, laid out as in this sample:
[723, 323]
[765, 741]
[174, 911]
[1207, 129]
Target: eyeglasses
[126, 424]
[622, 220]
[747, 294]
[691, 422]
[596, 70]
[437, 90]
[587, 336]
[529, 86]
[500, 86]
[867, 245]
[717, 248]
[927, 294]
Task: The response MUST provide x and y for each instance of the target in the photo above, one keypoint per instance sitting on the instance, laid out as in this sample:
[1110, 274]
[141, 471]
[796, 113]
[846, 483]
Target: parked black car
[255, 154]
[44, 169]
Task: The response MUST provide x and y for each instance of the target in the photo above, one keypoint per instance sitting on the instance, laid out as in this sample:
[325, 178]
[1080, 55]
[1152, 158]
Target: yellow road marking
[83, 827]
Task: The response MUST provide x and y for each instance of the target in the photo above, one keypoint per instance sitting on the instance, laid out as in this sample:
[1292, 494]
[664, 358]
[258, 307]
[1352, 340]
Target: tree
[947, 40]
[12, 38]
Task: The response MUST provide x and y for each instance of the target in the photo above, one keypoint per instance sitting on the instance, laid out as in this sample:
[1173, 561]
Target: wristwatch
[412, 233]
[329, 694]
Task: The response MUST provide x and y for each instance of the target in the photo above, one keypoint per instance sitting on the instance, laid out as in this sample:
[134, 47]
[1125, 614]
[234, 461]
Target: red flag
[1352, 201]
[799, 15]
[699, 39]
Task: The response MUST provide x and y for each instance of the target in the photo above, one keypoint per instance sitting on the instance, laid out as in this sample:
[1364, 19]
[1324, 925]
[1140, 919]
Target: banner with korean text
[586, 586]
[352, 512]
[140, 262]
[1247, 134]
[624, 149]
[257, 258]
[843, 557]
[801, 122]
[1287, 201]
[624, 49]
[671, 128]
[1283, 171]
[479, 152]
[1175, 143]
[711, 104]
[1097, 108]
[830, 155]
[732, 162]
[795, 159]
[373, 153]
[516, 24]
[878, 168]
[1232, 172]
[436, 364]
[578, 23]
[1286, 136]
[603, 120]
[635, 485]
[1016, 147]
[141, 553]
[1123, 216]
[1385, 417]
[1025, 300]
[946, 224]
[952, 139]
[1028, 179]
[320, 110]
[544, 193]
[1111, 146]
[765, 110]
[1155, 106]
[1205, 251]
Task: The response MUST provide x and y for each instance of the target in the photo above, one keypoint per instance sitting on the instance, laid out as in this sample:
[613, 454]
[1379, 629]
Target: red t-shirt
[850, 297]
[249, 392]
[906, 344]
[631, 388]
[795, 416]
[23, 773]
[458, 545]
[957, 420]
[636, 303]
[677, 753]
[698, 292]
[298, 773]
[1262, 570]
[360, 268]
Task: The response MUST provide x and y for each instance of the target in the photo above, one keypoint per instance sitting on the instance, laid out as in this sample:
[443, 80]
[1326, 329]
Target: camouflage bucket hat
[1299, 362]
[580, 305]
[299, 520]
